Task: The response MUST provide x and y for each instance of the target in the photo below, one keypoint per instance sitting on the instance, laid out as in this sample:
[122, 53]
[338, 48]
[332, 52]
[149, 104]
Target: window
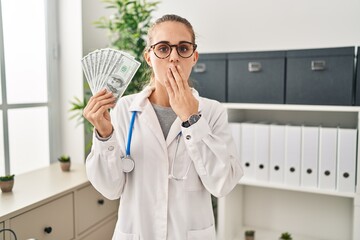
[28, 85]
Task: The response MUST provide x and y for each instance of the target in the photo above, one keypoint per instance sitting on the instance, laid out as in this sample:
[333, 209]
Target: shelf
[271, 208]
[291, 107]
[286, 114]
[249, 182]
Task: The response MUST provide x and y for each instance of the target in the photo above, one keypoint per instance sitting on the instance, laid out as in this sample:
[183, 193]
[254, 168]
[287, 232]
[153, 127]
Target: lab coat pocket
[126, 236]
[203, 234]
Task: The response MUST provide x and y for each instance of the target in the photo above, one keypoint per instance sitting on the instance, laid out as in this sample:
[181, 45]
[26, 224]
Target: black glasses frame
[171, 48]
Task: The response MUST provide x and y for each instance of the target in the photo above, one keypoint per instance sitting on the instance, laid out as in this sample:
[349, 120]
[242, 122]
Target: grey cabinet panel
[209, 76]
[357, 92]
[257, 77]
[320, 76]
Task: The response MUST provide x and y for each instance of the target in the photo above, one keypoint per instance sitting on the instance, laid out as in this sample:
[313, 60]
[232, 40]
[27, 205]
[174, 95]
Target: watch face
[193, 119]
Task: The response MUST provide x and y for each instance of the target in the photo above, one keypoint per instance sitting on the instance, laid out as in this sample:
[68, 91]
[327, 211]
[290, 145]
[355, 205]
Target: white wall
[94, 38]
[252, 25]
[70, 76]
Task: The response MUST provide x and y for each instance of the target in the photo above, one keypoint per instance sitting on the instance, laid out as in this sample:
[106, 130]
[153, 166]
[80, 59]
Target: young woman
[165, 150]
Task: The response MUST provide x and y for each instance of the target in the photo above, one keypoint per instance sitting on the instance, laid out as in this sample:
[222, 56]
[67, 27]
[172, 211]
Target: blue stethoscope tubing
[130, 133]
[128, 163]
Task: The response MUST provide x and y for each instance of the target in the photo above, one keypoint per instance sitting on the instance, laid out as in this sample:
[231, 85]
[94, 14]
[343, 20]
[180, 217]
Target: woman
[181, 146]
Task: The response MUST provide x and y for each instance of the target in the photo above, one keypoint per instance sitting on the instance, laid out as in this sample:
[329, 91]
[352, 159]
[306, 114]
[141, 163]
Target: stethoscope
[128, 163]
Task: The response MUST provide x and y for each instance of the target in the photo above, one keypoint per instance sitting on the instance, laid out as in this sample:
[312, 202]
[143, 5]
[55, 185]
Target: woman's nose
[174, 56]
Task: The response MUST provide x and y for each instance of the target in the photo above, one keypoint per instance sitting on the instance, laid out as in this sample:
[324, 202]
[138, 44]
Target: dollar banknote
[109, 68]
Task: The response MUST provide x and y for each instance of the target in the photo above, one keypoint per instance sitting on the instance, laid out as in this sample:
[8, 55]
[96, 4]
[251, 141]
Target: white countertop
[33, 188]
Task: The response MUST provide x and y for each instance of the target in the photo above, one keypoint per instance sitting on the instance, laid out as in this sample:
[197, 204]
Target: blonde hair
[167, 18]
[170, 18]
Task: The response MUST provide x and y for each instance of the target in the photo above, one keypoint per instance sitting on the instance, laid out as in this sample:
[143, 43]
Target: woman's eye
[183, 48]
[163, 48]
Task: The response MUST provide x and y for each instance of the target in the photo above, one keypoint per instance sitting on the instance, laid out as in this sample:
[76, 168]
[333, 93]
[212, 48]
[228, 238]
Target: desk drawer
[2, 226]
[104, 232]
[92, 207]
[52, 221]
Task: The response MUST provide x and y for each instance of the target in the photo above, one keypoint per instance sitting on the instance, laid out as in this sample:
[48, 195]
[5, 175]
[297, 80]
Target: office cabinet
[256, 77]
[271, 207]
[357, 93]
[51, 204]
[320, 76]
[209, 76]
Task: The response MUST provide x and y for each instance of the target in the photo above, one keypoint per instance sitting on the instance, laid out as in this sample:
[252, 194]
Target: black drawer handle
[101, 201]
[200, 68]
[48, 230]
[254, 66]
[318, 65]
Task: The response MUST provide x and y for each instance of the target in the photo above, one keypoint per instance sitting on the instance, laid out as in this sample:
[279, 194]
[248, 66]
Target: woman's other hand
[96, 112]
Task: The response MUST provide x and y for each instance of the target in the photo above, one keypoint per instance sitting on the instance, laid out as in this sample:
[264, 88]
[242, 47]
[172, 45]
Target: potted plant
[7, 183]
[249, 235]
[65, 162]
[285, 236]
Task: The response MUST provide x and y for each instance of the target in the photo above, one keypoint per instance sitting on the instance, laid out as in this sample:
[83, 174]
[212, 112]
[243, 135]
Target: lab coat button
[188, 137]
[110, 148]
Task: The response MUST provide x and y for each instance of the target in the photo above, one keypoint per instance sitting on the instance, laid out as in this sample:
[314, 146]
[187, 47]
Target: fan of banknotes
[109, 68]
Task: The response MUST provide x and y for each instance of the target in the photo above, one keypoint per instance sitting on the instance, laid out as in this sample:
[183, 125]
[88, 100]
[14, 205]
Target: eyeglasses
[163, 49]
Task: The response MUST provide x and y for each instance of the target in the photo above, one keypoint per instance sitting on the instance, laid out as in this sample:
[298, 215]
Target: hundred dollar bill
[122, 74]
[109, 68]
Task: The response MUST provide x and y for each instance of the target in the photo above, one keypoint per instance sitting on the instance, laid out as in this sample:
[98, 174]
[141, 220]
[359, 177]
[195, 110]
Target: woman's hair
[170, 18]
[167, 18]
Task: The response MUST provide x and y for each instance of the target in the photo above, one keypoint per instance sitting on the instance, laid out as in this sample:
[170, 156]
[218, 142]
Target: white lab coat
[152, 206]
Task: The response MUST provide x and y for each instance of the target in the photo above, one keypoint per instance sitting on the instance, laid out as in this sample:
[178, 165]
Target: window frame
[53, 86]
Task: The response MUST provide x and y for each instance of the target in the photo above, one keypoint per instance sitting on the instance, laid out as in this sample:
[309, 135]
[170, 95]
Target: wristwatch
[191, 120]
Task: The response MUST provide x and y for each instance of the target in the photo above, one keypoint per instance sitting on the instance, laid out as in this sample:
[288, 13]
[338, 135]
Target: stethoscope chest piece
[127, 164]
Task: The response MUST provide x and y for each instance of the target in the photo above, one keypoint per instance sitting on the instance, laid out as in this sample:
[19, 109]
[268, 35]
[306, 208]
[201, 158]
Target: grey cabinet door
[209, 76]
[257, 77]
[357, 91]
[320, 76]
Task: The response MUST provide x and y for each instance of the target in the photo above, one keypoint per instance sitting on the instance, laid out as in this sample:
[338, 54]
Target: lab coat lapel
[175, 129]
[146, 113]
[148, 116]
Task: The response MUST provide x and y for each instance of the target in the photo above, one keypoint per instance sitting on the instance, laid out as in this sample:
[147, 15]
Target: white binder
[327, 158]
[247, 145]
[262, 153]
[277, 153]
[346, 160]
[292, 155]
[309, 156]
[235, 128]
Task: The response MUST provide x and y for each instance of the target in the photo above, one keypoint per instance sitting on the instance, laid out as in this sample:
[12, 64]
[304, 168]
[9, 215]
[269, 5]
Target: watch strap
[191, 120]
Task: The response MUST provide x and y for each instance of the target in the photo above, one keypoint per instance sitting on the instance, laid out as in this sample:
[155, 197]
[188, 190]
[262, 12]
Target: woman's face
[173, 33]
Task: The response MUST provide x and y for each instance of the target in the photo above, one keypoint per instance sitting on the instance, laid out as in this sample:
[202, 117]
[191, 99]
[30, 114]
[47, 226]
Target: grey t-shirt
[166, 117]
